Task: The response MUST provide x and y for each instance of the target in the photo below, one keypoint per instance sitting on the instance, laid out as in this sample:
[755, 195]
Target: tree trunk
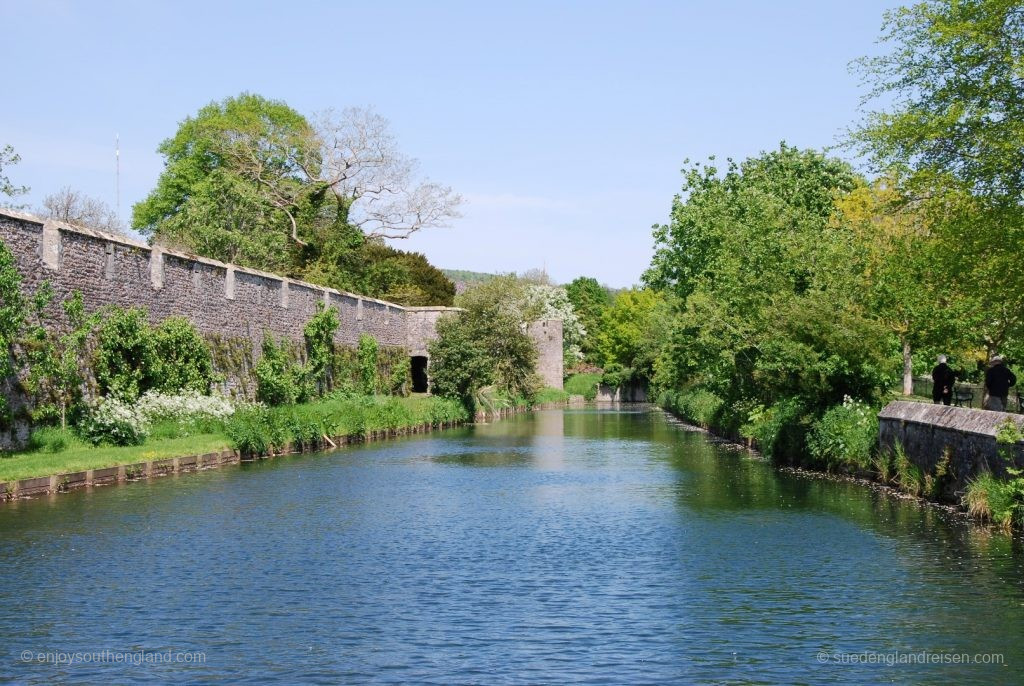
[908, 369]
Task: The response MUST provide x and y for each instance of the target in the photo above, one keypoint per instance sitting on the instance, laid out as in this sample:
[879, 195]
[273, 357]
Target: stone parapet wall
[928, 433]
[223, 300]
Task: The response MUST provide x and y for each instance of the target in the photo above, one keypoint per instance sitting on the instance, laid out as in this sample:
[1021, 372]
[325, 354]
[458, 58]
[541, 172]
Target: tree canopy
[251, 181]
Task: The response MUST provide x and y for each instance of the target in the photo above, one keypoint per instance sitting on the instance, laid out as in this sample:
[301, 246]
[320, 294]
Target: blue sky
[564, 124]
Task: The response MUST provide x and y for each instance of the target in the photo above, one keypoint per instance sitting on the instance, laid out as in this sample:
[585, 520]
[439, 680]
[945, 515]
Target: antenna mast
[117, 156]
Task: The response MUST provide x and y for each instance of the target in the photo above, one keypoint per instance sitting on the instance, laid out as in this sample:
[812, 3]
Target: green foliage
[184, 361]
[126, 362]
[256, 430]
[459, 362]
[486, 344]
[583, 384]
[997, 500]
[53, 439]
[279, 379]
[550, 395]
[766, 305]
[780, 430]
[233, 183]
[955, 99]
[695, 405]
[57, 359]
[845, 436]
[627, 334]
[13, 314]
[319, 334]
[368, 363]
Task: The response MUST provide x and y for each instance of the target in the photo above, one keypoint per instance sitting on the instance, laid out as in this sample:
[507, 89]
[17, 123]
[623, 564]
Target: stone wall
[547, 334]
[930, 433]
[222, 300]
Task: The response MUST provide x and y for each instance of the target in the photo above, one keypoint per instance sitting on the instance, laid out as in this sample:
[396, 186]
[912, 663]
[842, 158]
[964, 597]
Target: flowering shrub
[183, 407]
[552, 302]
[845, 435]
[116, 422]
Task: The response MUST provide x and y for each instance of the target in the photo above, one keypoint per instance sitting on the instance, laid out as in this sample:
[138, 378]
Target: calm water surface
[562, 547]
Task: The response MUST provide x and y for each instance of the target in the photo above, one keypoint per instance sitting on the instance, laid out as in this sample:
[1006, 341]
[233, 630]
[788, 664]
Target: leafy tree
[953, 78]
[765, 309]
[459, 363]
[486, 344]
[235, 183]
[589, 300]
[57, 358]
[953, 124]
[627, 333]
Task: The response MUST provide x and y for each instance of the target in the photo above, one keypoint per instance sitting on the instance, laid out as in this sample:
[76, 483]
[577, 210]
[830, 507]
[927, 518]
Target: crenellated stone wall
[222, 300]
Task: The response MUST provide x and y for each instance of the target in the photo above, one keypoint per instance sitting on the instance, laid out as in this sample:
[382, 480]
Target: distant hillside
[463, 278]
[466, 276]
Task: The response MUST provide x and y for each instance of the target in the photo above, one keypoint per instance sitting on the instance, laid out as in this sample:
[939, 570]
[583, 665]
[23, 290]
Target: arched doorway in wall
[419, 374]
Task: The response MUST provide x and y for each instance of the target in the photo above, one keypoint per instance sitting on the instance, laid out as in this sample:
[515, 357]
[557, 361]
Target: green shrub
[279, 380]
[583, 384]
[780, 430]
[183, 358]
[126, 360]
[53, 439]
[994, 500]
[615, 375]
[845, 436]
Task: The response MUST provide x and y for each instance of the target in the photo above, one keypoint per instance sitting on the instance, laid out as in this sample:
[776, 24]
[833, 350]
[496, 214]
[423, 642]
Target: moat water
[585, 546]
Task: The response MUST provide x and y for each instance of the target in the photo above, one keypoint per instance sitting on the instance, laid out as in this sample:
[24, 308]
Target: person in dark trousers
[943, 379]
[998, 380]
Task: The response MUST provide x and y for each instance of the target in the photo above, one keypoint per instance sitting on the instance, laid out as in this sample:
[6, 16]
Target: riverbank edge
[958, 509]
[137, 471]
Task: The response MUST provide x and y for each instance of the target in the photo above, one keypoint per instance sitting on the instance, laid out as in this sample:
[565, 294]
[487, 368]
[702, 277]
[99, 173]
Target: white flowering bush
[115, 422]
[846, 435]
[552, 302]
[183, 407]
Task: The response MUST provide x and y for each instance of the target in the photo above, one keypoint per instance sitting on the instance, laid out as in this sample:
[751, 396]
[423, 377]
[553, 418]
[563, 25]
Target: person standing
[943, 379]
[998, 380]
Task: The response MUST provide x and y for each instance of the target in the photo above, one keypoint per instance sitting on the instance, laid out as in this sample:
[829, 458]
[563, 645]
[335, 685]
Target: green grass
[77, 456]
[551, 395]
[583, 384]
[57, 451]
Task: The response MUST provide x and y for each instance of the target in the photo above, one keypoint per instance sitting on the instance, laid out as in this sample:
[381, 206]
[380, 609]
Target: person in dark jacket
[998, 380]
[943, 379]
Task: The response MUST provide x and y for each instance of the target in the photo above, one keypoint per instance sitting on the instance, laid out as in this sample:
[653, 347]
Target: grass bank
[251, 431]
[254, 430]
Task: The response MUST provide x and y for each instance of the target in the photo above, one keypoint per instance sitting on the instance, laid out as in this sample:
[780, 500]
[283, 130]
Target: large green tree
[951, 122]
[953, 87]
[766, 305]
[236, 183]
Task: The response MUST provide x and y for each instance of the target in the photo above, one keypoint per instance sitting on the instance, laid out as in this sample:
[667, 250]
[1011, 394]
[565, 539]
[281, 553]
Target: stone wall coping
[963, 419]
[139, 245]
